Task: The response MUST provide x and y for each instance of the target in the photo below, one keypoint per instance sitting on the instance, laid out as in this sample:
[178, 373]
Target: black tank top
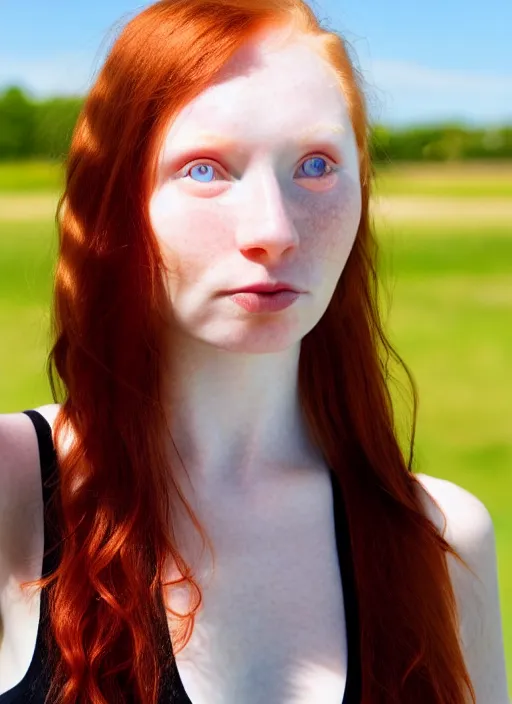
[34, 686]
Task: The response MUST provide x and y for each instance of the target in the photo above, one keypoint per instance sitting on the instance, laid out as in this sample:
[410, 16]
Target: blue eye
[319, 164]
[202, 174]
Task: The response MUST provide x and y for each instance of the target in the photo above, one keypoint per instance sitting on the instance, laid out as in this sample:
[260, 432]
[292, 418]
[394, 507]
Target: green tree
[16, 124]
[54, 122]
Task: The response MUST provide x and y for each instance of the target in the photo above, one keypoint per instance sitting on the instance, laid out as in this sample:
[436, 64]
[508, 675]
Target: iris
[318, 163]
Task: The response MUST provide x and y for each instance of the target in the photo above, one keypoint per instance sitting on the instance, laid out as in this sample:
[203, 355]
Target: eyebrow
[303, 136]
[318, 132]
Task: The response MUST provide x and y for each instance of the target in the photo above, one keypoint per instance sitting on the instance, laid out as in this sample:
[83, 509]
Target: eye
[202, 171]
[316, 170]
[318, 164]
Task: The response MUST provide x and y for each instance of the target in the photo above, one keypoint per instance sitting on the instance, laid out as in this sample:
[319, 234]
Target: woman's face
[258, 181]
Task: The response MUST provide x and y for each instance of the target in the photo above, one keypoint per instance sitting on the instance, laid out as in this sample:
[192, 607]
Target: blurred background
[438, 81]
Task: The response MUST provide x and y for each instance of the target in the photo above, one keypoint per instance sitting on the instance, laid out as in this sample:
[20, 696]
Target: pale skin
[234, 372]
[235, 377]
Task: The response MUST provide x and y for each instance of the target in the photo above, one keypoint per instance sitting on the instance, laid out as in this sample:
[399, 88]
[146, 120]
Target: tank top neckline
[172, 688]
[352, 693]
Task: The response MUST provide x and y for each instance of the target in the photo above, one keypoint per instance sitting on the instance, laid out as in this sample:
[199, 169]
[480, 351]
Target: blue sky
[421, 61]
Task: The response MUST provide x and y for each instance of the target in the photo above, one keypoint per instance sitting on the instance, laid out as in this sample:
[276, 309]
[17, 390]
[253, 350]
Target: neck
[235, 418]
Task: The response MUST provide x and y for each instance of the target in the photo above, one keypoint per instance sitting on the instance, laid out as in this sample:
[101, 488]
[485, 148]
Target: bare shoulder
[49, 412]
[466, 524]
[460, 516]
[20, 491]
[18, 443]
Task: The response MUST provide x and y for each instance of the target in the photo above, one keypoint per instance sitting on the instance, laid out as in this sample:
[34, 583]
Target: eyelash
[332, 167]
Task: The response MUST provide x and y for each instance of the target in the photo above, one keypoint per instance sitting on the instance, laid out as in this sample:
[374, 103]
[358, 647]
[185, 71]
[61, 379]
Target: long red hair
[110, 350]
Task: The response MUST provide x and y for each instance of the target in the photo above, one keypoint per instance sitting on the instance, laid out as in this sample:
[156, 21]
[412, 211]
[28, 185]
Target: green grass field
[26, 177]
[465, 179]
[450, 320]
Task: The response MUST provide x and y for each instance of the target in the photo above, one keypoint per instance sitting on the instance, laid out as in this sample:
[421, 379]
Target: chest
[271, 626]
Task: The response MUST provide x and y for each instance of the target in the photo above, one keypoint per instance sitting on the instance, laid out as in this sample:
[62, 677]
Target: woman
[223, 146]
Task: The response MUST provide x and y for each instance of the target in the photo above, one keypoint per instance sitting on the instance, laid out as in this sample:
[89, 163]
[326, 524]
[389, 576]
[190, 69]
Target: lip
[267, 288]
[264, 302]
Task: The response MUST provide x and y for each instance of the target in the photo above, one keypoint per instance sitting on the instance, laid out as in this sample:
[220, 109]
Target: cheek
[331, 222]
[192, 240]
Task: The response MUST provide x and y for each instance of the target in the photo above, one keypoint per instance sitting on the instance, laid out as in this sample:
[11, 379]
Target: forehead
[268, 90]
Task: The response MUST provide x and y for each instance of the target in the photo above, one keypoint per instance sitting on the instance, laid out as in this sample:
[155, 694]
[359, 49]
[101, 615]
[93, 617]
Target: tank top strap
[49, 479]
[353, 691]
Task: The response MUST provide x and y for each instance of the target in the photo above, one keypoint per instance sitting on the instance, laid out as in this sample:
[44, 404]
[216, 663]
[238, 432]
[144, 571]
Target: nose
[266, 231]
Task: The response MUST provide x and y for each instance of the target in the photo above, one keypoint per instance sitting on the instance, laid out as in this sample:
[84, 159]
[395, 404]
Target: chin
[274, 338]
[259, 347]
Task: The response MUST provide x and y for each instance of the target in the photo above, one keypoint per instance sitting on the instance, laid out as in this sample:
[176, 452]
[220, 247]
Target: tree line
[42, 129]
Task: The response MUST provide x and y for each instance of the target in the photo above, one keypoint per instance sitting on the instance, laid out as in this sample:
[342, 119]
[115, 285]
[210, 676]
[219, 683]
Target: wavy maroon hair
[110, 349]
